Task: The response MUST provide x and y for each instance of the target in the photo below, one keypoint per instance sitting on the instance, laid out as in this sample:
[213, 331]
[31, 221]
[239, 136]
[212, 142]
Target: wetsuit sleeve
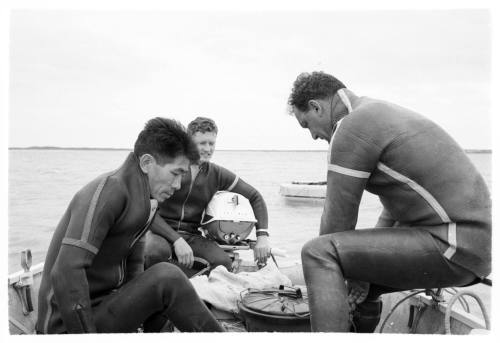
[226, 180]
[92, 213]
[135, 261]
[160, 227]
[351, 161]
[258, 205]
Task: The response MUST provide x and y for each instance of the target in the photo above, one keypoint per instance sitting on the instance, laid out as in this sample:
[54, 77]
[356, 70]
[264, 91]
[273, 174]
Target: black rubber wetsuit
[184, 211]
[93, 279]
[437, 208]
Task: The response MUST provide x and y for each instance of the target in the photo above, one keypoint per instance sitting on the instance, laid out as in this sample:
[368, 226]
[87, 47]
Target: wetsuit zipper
[193, 179]
[123, 264]
[121, 273]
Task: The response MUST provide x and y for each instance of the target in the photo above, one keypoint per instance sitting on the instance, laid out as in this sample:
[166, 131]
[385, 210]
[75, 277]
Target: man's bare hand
[262, 249]
[184, 253]
[357, 291]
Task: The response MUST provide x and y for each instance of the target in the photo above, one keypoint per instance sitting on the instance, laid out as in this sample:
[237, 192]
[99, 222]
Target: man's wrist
[177, 240]
[261, 232]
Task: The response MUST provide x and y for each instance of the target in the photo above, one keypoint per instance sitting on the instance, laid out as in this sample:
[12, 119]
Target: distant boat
[297, 189]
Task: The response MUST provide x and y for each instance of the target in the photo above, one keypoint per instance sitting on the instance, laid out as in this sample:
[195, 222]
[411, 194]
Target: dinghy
[297, 189]
[443, 311]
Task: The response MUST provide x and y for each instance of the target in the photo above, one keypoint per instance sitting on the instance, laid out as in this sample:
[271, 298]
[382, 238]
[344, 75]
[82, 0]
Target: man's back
[422, 176]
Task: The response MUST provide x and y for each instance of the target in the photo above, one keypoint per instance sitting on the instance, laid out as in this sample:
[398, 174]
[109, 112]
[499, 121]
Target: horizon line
[129, 149]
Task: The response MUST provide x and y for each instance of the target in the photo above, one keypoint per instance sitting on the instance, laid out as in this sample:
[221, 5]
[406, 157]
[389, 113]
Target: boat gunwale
[16, 276]
[468, 319]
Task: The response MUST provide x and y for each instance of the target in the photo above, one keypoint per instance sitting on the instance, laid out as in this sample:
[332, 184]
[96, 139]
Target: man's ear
[146, 161]
[315, 105]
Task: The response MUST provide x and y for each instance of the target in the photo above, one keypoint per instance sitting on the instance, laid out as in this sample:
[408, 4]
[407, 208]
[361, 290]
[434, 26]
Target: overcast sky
[92, 79]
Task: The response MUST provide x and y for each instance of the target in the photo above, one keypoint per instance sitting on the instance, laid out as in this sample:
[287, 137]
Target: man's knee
[319, 248]
[221, 260]
[165, 272]
[157, 250]
[211, 251]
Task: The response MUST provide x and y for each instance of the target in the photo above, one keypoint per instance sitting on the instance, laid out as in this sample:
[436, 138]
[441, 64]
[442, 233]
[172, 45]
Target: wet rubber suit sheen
[93, 279]
[184, 211]
[436, 203]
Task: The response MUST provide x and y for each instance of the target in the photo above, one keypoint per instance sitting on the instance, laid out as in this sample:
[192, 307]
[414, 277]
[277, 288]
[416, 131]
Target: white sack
[222, 289]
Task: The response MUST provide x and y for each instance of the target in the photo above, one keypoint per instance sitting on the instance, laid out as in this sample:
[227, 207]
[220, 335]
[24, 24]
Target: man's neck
[338, 110]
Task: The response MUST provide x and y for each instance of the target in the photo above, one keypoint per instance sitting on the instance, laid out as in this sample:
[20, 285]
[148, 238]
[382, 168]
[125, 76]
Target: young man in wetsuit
[435, 227]
[183, 212]
[94, 278]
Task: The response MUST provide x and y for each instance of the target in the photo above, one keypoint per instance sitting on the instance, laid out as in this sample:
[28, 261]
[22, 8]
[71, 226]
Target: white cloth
[222, 289]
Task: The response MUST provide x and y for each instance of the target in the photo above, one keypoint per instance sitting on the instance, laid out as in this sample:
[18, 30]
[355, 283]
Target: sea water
[42, 183]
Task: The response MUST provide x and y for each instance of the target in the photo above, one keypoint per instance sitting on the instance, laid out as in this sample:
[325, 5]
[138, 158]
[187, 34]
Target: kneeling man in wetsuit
[435, 227]
[94, 279]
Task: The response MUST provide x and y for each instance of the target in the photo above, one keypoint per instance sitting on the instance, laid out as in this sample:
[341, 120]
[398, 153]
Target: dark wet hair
[202, 124]
[315, 85]
[165, 139]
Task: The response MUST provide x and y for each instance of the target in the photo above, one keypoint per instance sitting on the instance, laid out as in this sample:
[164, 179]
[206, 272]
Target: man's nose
[177, 183]
[314, 136]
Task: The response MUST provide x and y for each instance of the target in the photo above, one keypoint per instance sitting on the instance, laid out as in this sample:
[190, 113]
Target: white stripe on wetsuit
[334, 167]
[236, 179]
[83, 241]
[345, 99]
[347, 103]
[349, 172]
[452, 227]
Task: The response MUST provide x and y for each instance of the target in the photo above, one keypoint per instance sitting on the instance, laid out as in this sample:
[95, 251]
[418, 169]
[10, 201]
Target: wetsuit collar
[203, 166]
[347, 103]
[345, 100]
[133, 161]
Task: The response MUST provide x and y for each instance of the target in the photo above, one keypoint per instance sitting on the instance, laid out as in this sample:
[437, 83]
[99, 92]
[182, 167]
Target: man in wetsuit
[94, 279]
[435, 227]
[183, 212]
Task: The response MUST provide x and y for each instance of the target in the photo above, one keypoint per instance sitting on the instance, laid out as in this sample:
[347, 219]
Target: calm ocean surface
[42, 182]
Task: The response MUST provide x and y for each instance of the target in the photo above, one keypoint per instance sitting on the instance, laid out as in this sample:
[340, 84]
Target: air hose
[458, 295]
[396, 306]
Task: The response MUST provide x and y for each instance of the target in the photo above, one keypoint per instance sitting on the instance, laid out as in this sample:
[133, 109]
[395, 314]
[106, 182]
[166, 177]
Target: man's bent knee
[322, 247]
[157, 250]
[168, 272]
[223, 260]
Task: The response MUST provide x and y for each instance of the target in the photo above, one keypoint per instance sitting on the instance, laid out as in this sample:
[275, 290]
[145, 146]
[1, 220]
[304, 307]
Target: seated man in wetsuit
[435, 227]
[183, 212]
[94, 278]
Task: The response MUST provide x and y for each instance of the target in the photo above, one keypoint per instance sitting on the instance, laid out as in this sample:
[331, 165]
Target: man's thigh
[208, 250]
[403, 258]
[128, 307]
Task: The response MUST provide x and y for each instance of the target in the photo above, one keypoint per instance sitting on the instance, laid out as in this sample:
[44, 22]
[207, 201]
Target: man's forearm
[258, 204]
[161, 228]
[72, 296]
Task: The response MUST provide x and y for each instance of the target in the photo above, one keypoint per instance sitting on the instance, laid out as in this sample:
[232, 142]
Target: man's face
[205, 141]
[165, 180]
[315, 121]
